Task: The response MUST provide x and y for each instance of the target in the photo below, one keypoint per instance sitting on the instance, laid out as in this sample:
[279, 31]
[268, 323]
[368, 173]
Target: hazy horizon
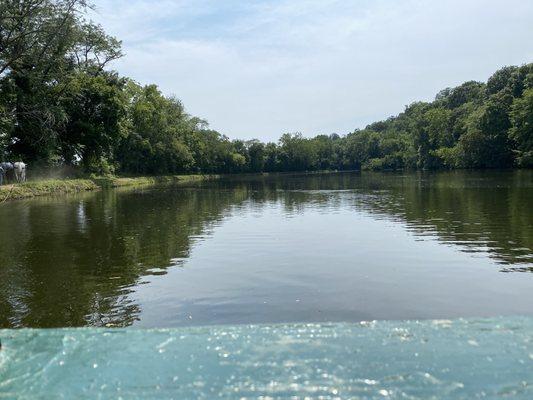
[260, 69]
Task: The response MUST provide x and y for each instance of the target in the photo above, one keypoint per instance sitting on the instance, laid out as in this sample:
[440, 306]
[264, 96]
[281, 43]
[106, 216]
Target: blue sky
[258, 69]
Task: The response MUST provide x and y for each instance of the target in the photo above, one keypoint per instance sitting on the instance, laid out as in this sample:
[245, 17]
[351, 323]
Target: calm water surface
[335, 247]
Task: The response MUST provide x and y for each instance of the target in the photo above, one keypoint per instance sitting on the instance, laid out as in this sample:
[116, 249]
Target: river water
[266, 249]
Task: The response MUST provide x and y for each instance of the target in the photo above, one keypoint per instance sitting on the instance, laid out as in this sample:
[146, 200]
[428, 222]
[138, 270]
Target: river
[266, 249]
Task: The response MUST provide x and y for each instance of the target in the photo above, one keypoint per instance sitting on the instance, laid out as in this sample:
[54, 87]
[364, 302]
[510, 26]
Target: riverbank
[65, 186]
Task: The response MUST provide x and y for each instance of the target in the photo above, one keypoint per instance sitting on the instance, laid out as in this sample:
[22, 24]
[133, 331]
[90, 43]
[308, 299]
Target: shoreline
[39, 188]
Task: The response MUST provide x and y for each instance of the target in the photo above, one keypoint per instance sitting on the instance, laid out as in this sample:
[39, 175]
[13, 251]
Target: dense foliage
[59, 104]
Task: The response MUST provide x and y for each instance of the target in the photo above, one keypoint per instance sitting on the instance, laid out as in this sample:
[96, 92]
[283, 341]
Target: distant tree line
[60, 105]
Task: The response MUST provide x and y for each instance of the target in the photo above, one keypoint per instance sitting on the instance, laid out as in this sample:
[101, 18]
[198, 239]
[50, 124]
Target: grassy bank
[65, 186]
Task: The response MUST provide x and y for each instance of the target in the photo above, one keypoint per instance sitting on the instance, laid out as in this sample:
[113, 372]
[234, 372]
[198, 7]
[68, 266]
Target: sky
[258, 69]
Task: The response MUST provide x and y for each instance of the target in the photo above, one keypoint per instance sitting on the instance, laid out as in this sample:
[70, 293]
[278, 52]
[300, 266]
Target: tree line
[60, 104]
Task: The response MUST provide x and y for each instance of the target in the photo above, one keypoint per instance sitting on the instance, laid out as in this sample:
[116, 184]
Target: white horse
[20, 171]
[7, 171]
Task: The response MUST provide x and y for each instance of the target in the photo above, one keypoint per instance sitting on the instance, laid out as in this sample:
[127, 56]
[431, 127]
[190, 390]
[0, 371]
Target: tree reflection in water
[74, 261]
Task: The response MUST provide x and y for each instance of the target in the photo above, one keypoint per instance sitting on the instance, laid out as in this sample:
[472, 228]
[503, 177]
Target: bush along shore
[66, 186]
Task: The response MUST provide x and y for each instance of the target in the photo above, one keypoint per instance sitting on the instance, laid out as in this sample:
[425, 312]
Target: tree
[95, 106]
[471, 91]
[272, 158]
[361, 147]
[501, 79]
[521, 131]
[40, 54]
[257, 153]
[157, 131]
[37, 30]
[297, 153]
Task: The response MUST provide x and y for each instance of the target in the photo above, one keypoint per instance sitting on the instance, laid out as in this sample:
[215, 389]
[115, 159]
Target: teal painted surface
[460, 359]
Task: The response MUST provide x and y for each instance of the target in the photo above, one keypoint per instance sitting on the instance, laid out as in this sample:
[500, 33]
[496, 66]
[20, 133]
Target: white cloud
[261, 68]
